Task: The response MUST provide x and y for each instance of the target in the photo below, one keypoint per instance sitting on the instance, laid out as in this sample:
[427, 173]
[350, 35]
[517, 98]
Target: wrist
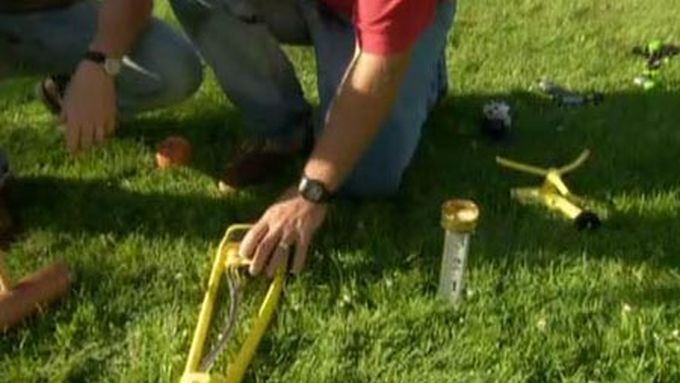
[307, 205]
[108, 49]
[324, 171]
[94, 73]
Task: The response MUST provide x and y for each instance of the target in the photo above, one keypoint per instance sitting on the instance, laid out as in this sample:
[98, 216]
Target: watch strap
[94, 56]
[111, 66]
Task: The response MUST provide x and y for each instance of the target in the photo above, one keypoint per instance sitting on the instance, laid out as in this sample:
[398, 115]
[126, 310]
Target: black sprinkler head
[495, 129]
[497, 120]
[597, 98]
[587, 220]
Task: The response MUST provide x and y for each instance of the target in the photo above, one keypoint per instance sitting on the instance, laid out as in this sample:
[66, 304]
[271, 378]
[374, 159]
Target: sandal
[50, 92]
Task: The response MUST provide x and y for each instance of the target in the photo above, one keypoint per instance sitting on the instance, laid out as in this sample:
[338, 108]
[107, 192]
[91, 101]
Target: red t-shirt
[387, 26]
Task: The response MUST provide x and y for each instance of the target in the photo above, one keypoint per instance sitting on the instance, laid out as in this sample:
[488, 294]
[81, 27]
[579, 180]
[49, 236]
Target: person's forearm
[119, 24]
[363, 103]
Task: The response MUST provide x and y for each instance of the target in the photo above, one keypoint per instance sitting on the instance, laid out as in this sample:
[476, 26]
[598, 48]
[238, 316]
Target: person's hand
[89, 107]
[289, 223]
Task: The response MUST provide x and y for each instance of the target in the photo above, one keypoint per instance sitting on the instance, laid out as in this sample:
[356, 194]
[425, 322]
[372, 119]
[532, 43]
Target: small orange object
[173, 151]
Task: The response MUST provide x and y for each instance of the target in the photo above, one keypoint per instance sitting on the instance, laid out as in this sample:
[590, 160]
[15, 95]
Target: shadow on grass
[103, 207]
[635, 143]
[212, 135]
[634, 139]
[633, 136]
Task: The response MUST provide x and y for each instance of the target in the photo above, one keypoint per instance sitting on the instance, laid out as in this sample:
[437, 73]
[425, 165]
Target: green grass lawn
[544, 303]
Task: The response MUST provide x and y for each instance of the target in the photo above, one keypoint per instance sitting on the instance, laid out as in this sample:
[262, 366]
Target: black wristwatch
[111, 66]
[314, 190]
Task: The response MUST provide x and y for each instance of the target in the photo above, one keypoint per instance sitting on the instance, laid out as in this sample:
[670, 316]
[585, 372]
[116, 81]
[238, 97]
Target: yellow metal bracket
[554, 193]
[229, 263]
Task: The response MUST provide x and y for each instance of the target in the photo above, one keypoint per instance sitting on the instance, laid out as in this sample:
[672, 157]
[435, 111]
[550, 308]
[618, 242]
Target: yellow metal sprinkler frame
[554, 193]
[230, 264]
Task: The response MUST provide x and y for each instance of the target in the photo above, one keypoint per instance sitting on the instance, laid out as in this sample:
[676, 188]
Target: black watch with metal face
[314, 190]
[111, 66]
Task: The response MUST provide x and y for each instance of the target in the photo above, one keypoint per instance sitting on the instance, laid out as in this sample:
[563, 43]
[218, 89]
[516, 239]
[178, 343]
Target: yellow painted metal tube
[554, 193]
[553, 180]
[201, 377]
[238, 367]
[562, 204]
[205, 316]
[227, 257]
[531, 169]
[576, 163]
[535, 170]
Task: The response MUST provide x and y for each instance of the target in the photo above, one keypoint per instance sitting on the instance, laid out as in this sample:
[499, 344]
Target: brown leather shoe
[255, 163]
[50, 92]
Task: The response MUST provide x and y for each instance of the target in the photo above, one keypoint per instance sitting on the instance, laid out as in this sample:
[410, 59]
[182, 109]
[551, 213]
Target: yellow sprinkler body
[229, 263]
[554, 193]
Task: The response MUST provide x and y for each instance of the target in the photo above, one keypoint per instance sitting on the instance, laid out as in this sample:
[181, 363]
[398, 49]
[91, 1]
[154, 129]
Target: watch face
[312, 190]
[112, 66]
[315, 192]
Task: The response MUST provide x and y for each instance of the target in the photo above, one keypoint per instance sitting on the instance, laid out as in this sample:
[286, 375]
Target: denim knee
[183, 76]
[372, 184]
[165, 69]
[191, 12]
[380, 171]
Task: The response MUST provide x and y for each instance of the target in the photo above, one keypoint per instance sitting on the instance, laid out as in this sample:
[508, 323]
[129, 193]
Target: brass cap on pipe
[459, 215]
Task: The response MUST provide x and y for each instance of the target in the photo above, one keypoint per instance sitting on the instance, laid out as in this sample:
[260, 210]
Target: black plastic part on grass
[574, 99]
[567, 98]
[587, 220]
[50, 99]
[496, 123]
[655, 59]
[596, 98]
[495, 129]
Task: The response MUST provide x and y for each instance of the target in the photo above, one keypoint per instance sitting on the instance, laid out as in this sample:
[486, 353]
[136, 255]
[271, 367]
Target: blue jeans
[166, 69]
[240, 40]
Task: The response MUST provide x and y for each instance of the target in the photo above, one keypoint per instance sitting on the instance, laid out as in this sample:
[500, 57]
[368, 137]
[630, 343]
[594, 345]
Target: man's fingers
[275, 260]
[110, 127]
[62, 118]
[99, 135]
[252, 239]
[72, 136]
[87, 136]
[280, 252]
[301, 249]
[264, 251]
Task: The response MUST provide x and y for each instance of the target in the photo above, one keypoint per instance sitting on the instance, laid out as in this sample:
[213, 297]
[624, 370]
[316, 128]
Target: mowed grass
[544, 303]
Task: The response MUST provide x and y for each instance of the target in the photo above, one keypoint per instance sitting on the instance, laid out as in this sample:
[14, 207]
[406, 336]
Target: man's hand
[290, 222]
[89, 107]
